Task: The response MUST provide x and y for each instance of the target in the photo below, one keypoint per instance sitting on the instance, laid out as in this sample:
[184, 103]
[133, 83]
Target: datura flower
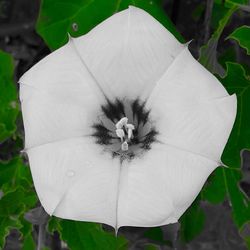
[122, 125]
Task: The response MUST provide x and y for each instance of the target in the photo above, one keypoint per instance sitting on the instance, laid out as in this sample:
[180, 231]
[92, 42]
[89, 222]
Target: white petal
[157, 188]
[59, 98]
[75, 180]
[128, 53]
[186, 81]
[191, 109]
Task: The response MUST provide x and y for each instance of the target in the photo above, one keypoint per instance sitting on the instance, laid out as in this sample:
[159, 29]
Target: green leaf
[150, 246]
[10, 207]
[86, 235]
[155, 233]
[208, 52]
[13, 205]
[54, 224]
[26, 235]
[226, 179]
[214, 190]
[242, 36]
[239, 201]
[192, 222]
[236, 81]
[6, 224]
[58, 18]
[28, 243]
[230, 3]
[14, 173]
[8, 97]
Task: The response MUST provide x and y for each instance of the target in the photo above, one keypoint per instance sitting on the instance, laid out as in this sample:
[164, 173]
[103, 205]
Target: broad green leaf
[242, 36]
[13, 205]
[8, 97]
[239, 201]
[14, 173]
[236, 81]
[154, 233]
[10, 208]
[58, 18]
[28, 242]
[214, 190]
[192, 222]
[208, 52]
[86, 235]
[225, 180]
[6, 224]
[218, 12]
[26, 235]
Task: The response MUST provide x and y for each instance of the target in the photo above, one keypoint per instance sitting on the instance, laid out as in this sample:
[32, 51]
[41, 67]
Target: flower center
[124, 129]
[125, 132]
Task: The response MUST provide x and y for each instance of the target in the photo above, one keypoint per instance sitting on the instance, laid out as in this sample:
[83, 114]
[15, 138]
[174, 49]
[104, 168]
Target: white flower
[123, 126]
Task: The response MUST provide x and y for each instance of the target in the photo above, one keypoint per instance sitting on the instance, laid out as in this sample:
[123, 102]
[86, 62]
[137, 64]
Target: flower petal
[191, 108]
[75, 180]
[59, 98]
[128, 52]
[157, 188]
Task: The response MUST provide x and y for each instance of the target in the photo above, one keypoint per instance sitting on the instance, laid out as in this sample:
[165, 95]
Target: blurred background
[26, 38]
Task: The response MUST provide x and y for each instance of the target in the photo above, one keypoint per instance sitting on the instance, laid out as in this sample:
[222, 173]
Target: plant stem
[207, 19]
[41, 236]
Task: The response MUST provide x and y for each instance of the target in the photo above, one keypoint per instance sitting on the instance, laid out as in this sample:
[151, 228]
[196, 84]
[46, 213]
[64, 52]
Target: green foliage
[151, 247]
[236, 2]
[192, 222]
[12, 207]
[242, 36]
[86, 235]
[8, 97]
[224, 182]
[215, 190]
[58, 18]
[236, 81]
[208, 52]
[154, 233]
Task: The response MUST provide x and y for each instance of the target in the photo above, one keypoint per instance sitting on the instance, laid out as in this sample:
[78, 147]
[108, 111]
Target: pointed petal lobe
[128, 52]
[75, 180]
[157, 188]
[59, 98]
[191, 108]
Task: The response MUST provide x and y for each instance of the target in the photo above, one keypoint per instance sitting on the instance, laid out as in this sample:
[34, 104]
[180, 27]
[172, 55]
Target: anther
[130, 134]
[130, 128]
[120, 133]
[121, 123]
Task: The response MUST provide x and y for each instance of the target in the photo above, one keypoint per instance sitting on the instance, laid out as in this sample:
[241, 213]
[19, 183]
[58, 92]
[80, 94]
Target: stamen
[125, 132]
[120, 133]
[121, 123]
[130, 134]
[130, 128]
